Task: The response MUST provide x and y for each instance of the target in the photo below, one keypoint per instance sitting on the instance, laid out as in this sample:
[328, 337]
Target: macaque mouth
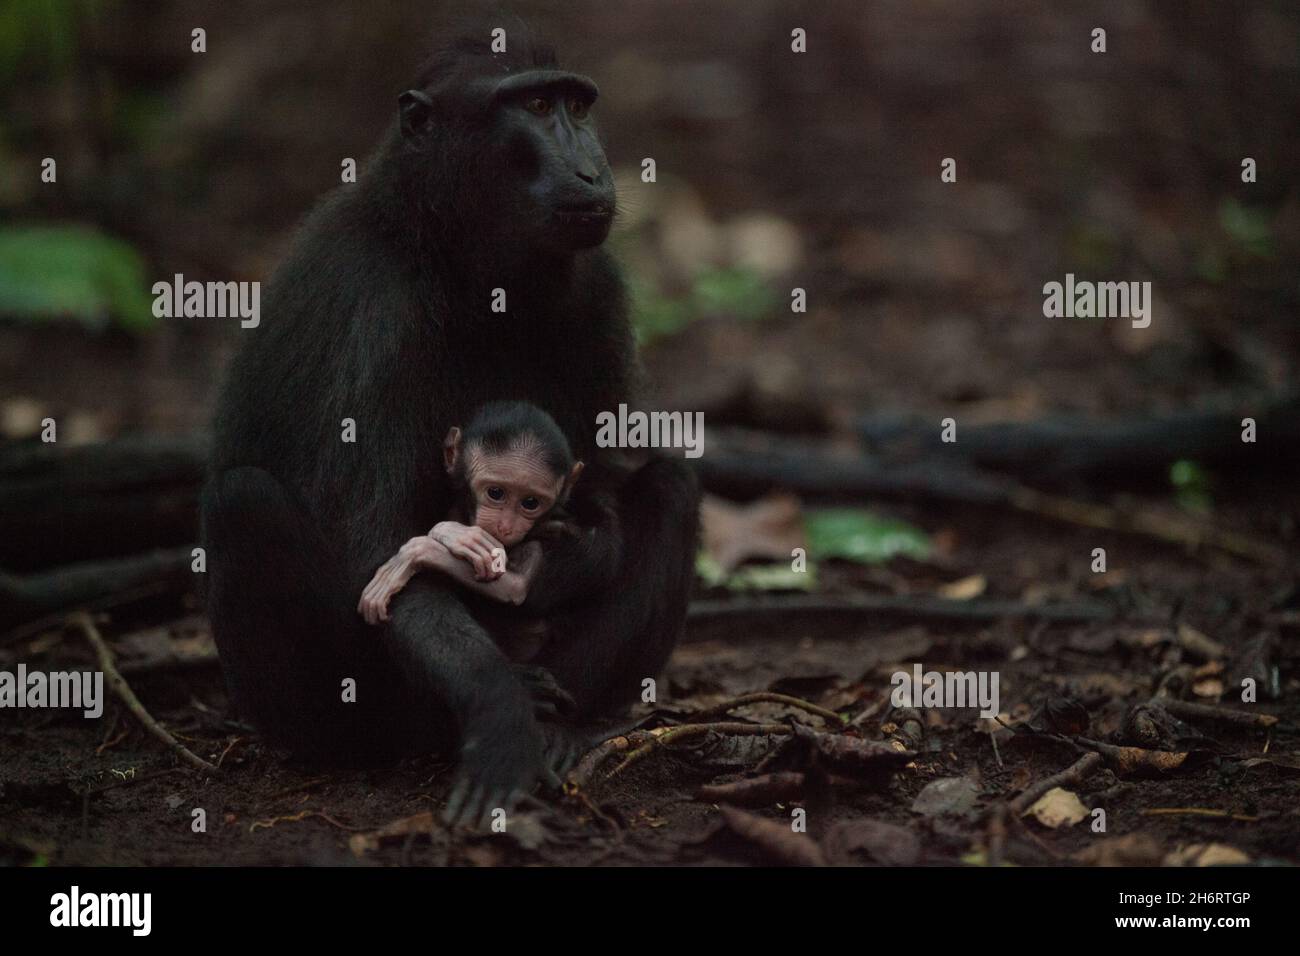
[584, 214]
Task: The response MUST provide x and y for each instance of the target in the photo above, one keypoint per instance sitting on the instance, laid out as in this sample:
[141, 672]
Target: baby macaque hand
[388, 580]
[418, 553]
[474, 545]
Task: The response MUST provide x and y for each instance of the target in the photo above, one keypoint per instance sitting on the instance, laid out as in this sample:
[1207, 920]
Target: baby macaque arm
[511, 587]
[471, 544]
[427, 554]
[394, 574]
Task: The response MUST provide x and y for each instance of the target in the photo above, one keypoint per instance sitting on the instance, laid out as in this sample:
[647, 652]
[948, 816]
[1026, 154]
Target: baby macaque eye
[530, 504]
[496, 494]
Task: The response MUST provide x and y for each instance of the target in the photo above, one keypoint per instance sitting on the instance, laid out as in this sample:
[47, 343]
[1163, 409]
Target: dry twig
[127, 696]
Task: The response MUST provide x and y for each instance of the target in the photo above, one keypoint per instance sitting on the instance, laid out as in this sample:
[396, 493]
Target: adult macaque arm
[581, 564]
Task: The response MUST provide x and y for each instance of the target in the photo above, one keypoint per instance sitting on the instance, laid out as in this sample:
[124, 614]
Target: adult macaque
[491, 177]
[511, 468]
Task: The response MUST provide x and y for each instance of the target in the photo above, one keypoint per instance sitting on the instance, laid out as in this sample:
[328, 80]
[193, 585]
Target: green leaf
[738, 292]
[755, 577]
[771, 577]
[42, 34]
[72, 271]
[859, 535]
[1252, 229]
[1191, 486]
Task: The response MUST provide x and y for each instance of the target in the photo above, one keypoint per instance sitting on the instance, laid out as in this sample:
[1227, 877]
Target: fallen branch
[1072, 776]
[29, 602]
[767, 697]
[127, 696]
[1064, 447]
[1170, 528]
[1198, 812]
[759, 791]
[745, 464]
[911, 607]
[304, 815]
[1128, 760]
[661, 737]
[580, 776]
[91, 502]
[1193, 711]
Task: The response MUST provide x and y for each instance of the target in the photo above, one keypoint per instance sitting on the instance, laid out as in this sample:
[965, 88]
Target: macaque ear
[451, 450]
[572, 479]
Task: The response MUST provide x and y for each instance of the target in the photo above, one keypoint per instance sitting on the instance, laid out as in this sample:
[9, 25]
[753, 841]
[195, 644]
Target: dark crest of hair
[499, 427]
[470, 54]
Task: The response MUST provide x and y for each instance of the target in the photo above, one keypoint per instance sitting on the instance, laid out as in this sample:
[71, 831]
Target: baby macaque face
[511, 490]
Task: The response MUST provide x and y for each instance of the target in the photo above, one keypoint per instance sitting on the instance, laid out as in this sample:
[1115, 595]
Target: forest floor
[105, 792]
[924, 298]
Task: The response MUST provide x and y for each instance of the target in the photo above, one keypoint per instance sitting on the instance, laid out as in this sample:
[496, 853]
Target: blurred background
[774, 170]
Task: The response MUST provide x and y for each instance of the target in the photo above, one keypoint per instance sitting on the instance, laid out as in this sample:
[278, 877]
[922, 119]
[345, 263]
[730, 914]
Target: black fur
[380, 313]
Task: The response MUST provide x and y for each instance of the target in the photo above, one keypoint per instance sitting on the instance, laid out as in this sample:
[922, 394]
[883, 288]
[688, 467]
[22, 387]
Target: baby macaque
[511, 469]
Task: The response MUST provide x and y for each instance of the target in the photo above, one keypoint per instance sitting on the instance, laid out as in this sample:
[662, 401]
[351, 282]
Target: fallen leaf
[855, 842]
[955, 796]
[854, 755]
[361, 843]
[761, 791]
[528, 830]
[963, 589]
[1211, 687]
[1058, 807]
[1198, 645]
[1132, 849]
[774, 839]
[769, 529]
[1206, 854]
[1280, 760]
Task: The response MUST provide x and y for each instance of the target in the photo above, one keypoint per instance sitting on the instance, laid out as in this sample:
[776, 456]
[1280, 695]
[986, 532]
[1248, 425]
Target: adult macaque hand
[474, 545]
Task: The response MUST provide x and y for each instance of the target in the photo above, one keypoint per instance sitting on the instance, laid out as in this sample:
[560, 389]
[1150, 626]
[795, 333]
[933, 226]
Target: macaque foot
[562, 748]
[549, 698]
[563, 745]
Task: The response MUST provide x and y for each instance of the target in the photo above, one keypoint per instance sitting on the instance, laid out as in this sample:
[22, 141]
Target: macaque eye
[530, 504]
[578, 108]
[539, 105]
[496, 494]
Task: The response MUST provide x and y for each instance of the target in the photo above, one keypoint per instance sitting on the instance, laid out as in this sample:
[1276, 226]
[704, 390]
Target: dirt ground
[104, 792]
[923, 301]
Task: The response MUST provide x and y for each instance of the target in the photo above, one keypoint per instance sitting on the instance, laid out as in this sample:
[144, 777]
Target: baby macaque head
[513, 465]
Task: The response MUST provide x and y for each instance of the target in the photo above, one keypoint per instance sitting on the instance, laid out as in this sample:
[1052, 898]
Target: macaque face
[511, 491]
